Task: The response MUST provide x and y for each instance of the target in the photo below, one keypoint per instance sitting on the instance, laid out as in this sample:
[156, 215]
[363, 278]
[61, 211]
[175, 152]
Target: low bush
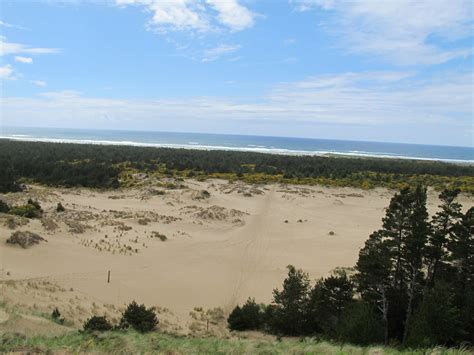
[97, 323]
[31, 210]
[25, 239]
[248, 317]
[60, 207]
[4, 208]
[56, 315]
[139, 318]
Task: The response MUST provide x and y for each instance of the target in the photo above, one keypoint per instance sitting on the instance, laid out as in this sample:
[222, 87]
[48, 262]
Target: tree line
[101, 166]
[413, 284]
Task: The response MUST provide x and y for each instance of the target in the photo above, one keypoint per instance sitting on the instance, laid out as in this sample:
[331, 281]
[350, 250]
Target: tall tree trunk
[384, 310]
[385, 317]
[411, 295]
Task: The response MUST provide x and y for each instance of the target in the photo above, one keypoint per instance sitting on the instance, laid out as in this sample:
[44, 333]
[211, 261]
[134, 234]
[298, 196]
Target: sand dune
[222, 246]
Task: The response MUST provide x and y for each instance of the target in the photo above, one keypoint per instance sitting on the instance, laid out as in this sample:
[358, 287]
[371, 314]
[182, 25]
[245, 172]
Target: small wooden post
[108, 277]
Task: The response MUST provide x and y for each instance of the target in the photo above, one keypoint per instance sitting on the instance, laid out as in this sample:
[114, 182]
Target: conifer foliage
[413, 283]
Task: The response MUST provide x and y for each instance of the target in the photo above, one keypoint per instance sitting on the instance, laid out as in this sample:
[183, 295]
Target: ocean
[264, 144]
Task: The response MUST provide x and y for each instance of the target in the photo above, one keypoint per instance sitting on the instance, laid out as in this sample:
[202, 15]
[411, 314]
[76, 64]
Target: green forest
[412, 286]
[108, 166]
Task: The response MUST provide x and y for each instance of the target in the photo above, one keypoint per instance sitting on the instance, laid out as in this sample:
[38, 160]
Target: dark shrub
[4, 208]
[97, 323]
[437, 320]
[56, 315]
[35, 203]
[360, 324]
[139, 318]
[249, 317]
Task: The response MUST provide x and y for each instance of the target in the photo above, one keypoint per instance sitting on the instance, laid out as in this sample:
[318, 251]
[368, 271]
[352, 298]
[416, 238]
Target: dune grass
[130, 342]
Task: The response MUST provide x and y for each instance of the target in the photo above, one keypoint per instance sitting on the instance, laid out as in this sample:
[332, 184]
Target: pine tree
[374, 276]
[437, 321]
[442, 227]
[414, 249]
[7, 176]
[461, 254]
[395, 228]
[390, 264]
[139, 318]
[248, 317]
[360, 324]
[290, 303]
[327, 300]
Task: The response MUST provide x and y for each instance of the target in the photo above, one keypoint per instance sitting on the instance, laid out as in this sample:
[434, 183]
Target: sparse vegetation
[144, 221]
[60, 207]
[159, 235]
[24, 239]
[32, 209]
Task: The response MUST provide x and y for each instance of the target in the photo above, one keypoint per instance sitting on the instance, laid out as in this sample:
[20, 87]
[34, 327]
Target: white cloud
[4, 24]
[25, 60]
[219, 51]
[381, 98]
[406, 32]
[7, 72]
[195, 15]
[7, 48]
[39, 83]
[374, 100]
[232, 14]
[9, 25]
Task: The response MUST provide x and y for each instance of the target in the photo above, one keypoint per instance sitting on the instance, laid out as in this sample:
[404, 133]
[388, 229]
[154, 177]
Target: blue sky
[396, 71]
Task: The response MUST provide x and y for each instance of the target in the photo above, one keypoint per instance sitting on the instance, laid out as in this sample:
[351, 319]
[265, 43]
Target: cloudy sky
[378, 70]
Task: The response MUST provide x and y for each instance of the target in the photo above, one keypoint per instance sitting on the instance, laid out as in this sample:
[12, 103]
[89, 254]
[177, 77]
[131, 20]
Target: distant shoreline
[196, 146]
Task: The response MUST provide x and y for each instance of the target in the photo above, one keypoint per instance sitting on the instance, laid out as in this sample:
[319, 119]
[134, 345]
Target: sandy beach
[183, 246]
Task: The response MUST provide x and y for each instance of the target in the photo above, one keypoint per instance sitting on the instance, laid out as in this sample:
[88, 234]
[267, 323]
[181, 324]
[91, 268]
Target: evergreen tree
[437, 321]
[413, 250]
[442, 227]
[139, 318]
[461, 255]
[248, 317]
[390, 264]
[360, 324]
[327, 300]
[374, 277]
[7, 176]
[290, 303]
[395, 229]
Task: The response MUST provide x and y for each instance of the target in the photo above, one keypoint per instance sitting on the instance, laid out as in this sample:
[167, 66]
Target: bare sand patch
[220, 247]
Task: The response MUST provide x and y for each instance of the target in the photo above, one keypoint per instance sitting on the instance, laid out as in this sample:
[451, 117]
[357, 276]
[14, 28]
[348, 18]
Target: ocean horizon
[262, 144]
